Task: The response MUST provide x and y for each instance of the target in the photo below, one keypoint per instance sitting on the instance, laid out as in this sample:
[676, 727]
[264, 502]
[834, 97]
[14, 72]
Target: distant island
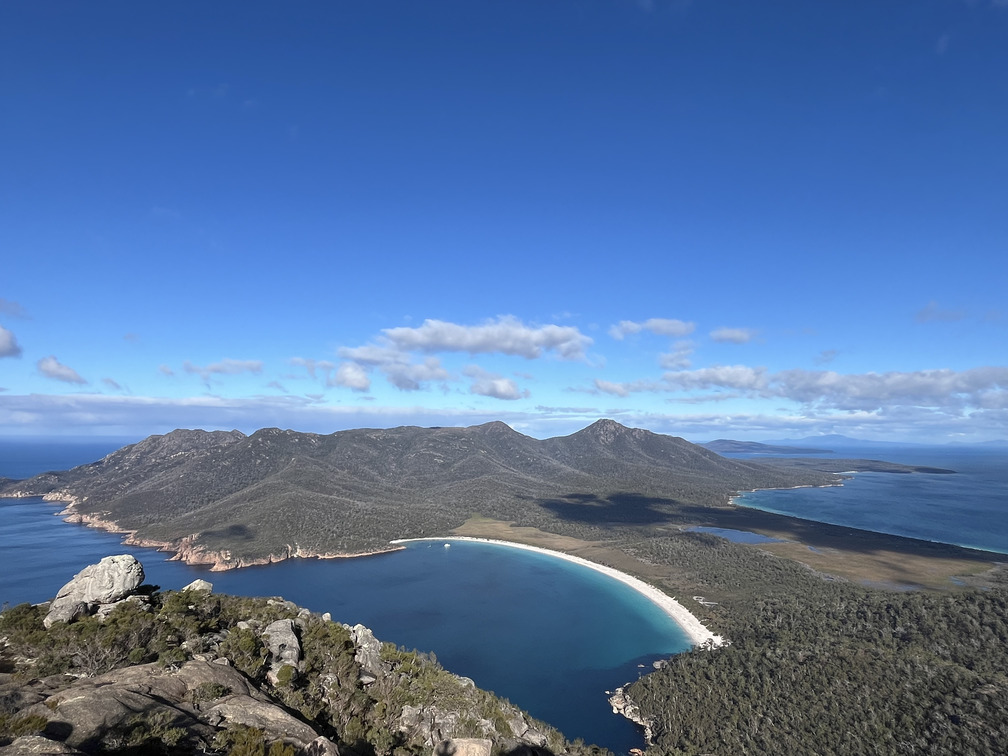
[727, 446]
[824, 656]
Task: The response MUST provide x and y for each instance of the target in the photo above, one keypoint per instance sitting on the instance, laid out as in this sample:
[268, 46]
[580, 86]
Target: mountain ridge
[231, 499]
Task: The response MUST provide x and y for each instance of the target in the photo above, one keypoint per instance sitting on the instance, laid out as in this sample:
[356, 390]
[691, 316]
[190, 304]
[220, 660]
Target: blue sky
[709, 218]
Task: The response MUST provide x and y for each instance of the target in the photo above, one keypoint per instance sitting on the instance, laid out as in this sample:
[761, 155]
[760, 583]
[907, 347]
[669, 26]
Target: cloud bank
[506, 335]
[982, 387]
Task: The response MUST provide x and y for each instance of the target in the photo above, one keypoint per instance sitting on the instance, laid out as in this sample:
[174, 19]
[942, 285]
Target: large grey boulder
[199, 697]
[368, 654]
[111, 580]
[284, 646]
[464, 747]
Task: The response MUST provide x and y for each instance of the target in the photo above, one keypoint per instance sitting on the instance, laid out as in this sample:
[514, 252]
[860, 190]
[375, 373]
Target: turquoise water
[969, 508]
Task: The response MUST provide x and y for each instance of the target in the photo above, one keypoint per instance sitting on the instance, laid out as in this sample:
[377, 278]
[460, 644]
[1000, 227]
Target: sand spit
[698, 634]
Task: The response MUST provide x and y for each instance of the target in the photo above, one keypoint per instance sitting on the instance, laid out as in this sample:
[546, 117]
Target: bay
[549, 635]
[968, 508]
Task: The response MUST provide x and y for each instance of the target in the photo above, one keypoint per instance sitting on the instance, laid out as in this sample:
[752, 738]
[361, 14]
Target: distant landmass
[836, 441]
[727, 446]
[228, 500]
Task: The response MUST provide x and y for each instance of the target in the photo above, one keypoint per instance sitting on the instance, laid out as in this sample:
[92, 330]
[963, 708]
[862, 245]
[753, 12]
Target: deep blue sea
[549, 635]
[969, 508]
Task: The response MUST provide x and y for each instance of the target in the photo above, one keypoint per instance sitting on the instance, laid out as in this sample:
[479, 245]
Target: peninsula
[231, 500]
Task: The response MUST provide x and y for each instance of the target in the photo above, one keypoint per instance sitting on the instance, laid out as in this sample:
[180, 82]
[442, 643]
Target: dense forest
[818, 665]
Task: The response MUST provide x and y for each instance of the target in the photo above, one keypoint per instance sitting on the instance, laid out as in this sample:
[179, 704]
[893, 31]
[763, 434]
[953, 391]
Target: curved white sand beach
[698, 634]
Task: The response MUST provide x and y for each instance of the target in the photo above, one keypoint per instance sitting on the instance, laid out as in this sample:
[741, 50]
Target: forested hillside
[277, 492]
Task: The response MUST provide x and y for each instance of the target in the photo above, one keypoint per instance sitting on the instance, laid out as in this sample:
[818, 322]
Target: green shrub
[240, 740]
[208, 691]
[246, 651]
[14, 726]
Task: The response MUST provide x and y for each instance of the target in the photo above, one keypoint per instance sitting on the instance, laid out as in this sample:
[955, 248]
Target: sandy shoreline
[698, 634]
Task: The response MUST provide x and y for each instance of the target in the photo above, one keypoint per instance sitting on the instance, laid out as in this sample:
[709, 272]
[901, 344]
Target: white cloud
[53, 368]
[9, 346]
[678, 358]
[945, 390]
[609, 387]
[493, 385]
[411, 376]
[631, 387]
[112, 384]
[352, 376]
[166, 370]
[739, 377]
[506, 335]
[397, 366]
[733, 335]
[226, 366]
[395, 353]
[373, 355]
[659, 326]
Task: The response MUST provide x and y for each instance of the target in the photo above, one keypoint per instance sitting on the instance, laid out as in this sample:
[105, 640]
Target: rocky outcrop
[199, 698]
[108, 582]
[464, 747]
[32, 745]
[285, 649]
[368, 654]
[622, 705]
[199, 585]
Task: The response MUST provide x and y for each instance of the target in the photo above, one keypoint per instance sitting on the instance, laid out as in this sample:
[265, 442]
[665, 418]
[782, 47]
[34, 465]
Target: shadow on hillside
[820, 535]
[615, 509]
[231, 532]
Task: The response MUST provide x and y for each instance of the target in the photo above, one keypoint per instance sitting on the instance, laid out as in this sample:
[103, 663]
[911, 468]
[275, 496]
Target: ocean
[968, 508]
[550, 636]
